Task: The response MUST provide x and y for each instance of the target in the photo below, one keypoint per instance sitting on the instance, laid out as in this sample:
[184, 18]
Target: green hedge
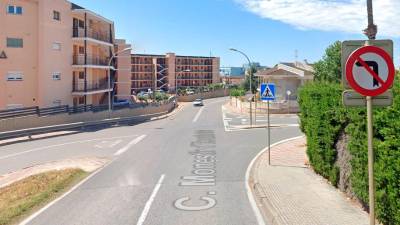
[323, 118]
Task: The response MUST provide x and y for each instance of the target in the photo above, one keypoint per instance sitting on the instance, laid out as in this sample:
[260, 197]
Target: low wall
[291, 106]
[19, 123]
[204, 95]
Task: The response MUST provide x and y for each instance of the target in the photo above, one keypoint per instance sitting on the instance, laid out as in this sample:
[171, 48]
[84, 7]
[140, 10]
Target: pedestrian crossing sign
[267, 92]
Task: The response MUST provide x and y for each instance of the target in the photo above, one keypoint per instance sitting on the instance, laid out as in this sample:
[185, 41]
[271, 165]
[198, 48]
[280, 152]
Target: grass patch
[23, 197]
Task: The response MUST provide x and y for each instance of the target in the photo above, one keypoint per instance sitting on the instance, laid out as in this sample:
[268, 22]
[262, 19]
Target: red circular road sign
[370, 70]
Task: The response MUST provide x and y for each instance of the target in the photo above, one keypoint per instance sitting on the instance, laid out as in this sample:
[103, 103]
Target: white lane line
[36, 214]
[146, 209]
[198, 115]
[250, 196]
[59, 145]
[129, 145]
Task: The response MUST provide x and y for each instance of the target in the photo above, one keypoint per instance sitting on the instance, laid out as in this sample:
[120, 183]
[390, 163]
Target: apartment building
[163, 72]
[53, 52]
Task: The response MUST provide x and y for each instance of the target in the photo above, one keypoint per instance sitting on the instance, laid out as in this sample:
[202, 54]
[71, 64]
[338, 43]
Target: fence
[204, 95]
[33, 117]
[278, 107]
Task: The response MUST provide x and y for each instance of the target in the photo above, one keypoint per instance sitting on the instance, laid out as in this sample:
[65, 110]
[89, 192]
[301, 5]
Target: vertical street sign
[267, 92]
[370, 71]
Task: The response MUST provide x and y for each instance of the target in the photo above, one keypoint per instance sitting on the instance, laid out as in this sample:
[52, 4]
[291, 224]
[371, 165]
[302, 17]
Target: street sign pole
[371, 157]
[269, 136]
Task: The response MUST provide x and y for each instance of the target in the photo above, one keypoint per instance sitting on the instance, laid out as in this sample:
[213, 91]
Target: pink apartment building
[140, 72]
[53, 52]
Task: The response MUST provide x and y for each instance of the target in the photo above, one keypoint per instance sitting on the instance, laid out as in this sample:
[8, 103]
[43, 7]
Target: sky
[268, 31]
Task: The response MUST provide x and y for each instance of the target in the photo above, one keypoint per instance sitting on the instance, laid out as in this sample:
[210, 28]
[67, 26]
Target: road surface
[185, 169]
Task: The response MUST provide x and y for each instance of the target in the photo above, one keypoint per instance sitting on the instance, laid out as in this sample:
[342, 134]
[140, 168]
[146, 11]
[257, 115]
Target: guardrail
[29, 111]
[65, 127]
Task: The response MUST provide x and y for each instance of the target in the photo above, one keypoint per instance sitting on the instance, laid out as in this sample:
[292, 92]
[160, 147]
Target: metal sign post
[267, 92]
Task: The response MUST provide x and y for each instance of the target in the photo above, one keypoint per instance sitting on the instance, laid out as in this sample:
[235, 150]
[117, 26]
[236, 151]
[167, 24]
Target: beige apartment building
[141, 72]
[53, 52]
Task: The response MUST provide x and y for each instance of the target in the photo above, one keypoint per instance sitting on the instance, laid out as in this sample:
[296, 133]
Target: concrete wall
[36, 121]
[205, 95]
[275, 107]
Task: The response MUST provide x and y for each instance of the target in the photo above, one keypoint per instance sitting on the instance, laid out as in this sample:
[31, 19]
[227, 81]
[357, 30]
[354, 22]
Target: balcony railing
[90, 86]
[98, 61]
[95, 34]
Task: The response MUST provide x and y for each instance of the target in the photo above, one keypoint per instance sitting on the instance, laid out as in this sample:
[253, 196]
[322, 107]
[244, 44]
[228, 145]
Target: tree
[254, 82]
[329, 67]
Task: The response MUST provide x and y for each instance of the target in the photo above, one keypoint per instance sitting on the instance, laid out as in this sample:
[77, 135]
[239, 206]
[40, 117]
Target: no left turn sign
[370, 70]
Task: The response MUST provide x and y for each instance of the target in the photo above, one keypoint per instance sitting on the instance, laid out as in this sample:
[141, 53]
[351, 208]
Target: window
[56, 15]
[16, 10]
[14, 76]
[81, 75]
[15, 42]
[56, 76]
[81, 50]
[57, 46]
[81, 100]
[81, 24]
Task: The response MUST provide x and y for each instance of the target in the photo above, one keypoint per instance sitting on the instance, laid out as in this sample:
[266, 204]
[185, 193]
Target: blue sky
[268, 33]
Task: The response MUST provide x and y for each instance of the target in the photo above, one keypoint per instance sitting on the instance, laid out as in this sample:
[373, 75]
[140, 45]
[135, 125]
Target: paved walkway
[288, 192]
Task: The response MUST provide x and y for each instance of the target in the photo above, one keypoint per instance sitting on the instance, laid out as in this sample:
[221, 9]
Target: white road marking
[129, 145]
[253, 202]
[108, 144]
[59, 145]
[147, 206]
[198, 115]
[34, 215]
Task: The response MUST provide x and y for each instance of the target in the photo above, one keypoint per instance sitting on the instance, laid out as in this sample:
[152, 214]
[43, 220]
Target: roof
[297, 68]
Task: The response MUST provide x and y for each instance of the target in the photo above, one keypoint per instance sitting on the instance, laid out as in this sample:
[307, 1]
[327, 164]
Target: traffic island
[289, 192]
[21, 198]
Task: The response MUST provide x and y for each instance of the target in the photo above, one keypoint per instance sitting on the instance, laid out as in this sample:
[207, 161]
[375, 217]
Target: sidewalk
[288, 192]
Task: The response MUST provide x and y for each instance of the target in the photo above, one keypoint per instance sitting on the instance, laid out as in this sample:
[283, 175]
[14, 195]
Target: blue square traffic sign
[267, 92]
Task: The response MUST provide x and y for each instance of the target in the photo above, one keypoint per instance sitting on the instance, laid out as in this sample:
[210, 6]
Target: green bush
[237, 92]
[323, 118]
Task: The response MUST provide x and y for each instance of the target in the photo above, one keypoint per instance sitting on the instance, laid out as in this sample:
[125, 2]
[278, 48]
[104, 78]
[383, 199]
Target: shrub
[323, 118]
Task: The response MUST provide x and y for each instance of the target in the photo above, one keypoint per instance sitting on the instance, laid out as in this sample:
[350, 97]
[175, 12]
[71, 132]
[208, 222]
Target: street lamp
[288, 92]
[251, 77]
[109, 77]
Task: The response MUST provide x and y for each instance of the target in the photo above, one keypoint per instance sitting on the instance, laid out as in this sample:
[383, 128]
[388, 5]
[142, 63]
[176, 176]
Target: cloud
[329, 15]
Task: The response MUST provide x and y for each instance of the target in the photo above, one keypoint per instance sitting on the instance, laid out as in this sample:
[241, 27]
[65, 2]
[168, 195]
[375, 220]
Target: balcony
[94, 34]
[90, 60]
[92, 87]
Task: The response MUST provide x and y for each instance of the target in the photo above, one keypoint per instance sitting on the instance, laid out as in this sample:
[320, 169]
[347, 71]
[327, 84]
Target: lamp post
[251, 77]
[109, 77]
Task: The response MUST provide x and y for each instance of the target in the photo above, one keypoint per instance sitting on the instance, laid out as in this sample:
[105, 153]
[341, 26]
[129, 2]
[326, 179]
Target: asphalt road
[185, 169]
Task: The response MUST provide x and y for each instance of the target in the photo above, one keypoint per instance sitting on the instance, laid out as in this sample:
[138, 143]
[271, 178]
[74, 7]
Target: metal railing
[90, 60]
[91, 33]
[90, 86]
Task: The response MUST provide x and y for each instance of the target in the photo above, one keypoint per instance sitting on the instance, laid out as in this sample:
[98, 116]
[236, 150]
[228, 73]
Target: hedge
[323, 118]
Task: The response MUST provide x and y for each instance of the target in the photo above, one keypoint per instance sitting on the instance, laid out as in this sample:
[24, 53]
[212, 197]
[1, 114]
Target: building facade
[287, 77]
[232, 75]
[53, 52]
[163, 72]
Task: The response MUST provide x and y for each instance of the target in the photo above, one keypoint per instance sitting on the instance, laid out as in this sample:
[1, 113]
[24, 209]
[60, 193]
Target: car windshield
[207, 112]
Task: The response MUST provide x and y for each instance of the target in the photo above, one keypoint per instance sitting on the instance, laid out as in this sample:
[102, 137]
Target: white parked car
[198, 102]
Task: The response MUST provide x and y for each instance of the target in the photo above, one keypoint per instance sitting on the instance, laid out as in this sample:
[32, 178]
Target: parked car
[198, 102]
[122, 103]
[189, 92]
[143, 94]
